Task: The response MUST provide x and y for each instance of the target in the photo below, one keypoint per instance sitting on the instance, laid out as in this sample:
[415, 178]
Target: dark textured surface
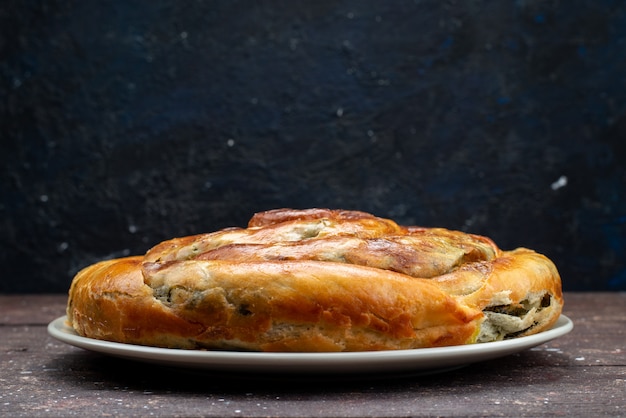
[126, 123]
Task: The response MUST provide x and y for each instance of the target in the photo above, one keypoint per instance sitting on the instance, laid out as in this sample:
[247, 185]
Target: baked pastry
[317, 280]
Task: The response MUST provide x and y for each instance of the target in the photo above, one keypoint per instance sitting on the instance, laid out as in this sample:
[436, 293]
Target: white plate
[396, 361]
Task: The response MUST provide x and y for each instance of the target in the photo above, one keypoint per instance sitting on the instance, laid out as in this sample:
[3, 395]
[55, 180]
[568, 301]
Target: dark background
[124, 123]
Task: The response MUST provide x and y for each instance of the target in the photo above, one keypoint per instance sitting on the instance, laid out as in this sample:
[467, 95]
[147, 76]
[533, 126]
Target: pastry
[317, 280]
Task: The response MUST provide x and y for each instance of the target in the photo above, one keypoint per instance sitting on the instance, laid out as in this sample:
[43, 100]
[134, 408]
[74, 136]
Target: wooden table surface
[580, 374]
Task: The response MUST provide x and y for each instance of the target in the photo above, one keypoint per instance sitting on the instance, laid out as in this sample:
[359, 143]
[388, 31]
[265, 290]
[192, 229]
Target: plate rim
[312, 362]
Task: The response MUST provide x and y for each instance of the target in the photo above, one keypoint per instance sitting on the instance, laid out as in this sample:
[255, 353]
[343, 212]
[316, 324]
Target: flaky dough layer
[317, 280]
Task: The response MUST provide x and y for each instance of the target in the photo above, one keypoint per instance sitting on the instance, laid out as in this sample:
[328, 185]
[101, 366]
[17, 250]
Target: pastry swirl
[317, 280]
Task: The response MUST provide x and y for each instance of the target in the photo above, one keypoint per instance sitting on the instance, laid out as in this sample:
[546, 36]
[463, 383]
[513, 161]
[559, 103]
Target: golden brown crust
[261, 305]
[318, 280]
[109, 301]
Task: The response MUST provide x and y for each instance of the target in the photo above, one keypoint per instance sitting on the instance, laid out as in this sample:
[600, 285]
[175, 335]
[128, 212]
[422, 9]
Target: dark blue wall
[124, 123]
